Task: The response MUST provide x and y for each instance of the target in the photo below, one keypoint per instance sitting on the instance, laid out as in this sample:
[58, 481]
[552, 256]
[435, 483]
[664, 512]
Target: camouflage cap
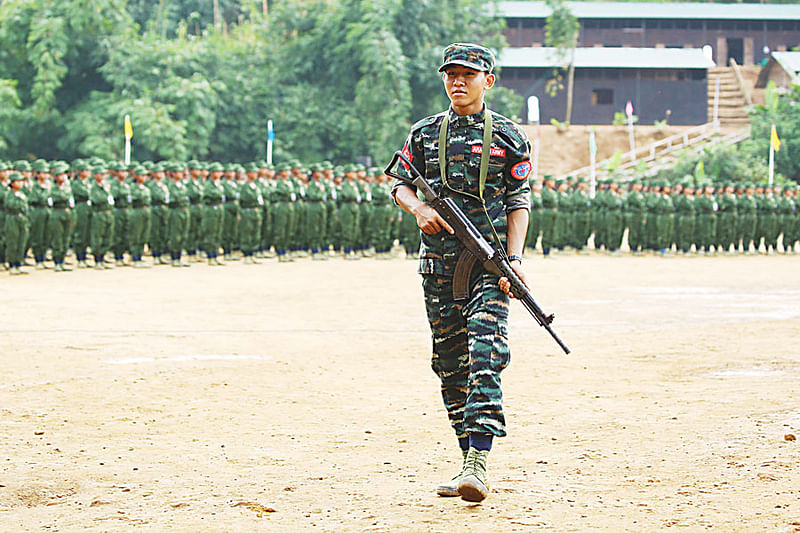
[40, 165]
[16, 176]
[60, 168]
[469, 55]
[3, 166]
[283, 167]
[216, 167]
[22, 165]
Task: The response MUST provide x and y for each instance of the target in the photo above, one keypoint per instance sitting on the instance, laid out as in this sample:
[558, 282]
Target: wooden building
[659, 82]
[782, 68]
[744, 32]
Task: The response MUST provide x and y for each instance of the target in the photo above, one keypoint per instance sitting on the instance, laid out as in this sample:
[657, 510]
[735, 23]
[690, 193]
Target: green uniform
[17, 226]
[39, 202]
[283, 210]
[349, 213]
[178, 225]
[382, 214]
[748, 217]
[365, 213]
[316, 215]
[213, 198]
[651, 227]
[684, 222]
[122, 212]
[634, 208]
[534, 221]
[139, 220]
[4, 189]
[298, 238]
[771, 229]
[615, 225]
[549, 214]
[101, 229]
[159, 217]
[582, 218]
[83, 211]
[194, 187]
[265, 242]
[230, 220]
[60, 224]
[706, 222]
[786, 221]
[727, 222]
[251, 203]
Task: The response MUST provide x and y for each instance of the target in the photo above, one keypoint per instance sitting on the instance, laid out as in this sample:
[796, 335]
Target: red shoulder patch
[521, 170]
[407, 153]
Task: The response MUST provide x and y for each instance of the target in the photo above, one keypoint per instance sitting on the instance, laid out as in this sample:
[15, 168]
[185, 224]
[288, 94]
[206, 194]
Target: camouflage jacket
[506, 190]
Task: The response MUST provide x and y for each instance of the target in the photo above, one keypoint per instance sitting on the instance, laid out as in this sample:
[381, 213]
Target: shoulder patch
[521, 170]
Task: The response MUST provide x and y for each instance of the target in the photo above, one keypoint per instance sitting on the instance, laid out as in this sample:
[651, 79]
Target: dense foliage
[748, 161]
[341, 80]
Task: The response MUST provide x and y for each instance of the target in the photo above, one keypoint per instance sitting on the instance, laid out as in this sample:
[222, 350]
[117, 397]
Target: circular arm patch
[521, 170]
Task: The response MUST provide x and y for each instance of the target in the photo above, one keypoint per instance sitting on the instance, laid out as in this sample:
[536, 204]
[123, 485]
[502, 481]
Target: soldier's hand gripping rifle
[476, 248]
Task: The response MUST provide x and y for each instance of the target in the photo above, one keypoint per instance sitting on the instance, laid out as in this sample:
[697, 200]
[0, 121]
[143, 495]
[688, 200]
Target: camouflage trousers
[470, 349]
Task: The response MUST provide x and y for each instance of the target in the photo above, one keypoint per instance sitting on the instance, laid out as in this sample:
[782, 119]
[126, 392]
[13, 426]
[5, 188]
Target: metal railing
[657, 150]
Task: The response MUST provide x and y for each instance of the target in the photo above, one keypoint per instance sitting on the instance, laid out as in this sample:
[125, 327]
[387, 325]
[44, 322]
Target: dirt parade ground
[299, 397]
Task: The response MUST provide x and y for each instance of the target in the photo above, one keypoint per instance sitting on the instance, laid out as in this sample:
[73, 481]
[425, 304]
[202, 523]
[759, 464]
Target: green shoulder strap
[485, 150]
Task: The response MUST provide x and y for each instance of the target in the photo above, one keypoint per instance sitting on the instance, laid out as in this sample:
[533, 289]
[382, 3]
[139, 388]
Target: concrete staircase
[732, 101]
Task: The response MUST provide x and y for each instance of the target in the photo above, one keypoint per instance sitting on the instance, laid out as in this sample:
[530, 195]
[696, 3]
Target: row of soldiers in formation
[662, 217]
[257, 210]
[198, 209]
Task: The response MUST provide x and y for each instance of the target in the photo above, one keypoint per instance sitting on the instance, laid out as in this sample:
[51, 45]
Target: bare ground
[299, 397]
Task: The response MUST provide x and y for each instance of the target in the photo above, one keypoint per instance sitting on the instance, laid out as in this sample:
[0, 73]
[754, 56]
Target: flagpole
[771, 162]
[128, 135]
[270, 138]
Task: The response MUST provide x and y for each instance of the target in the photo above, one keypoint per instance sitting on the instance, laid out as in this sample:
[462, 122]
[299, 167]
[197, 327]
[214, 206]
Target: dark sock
[463, 443]
[480, 441]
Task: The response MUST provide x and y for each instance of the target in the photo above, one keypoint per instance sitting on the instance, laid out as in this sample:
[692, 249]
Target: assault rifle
[476, 248]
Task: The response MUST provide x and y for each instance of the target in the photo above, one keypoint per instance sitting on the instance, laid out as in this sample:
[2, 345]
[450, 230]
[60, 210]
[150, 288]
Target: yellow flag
[129, 127]
[774, 140]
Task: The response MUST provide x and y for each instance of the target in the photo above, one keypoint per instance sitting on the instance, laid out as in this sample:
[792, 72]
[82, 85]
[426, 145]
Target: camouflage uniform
[470, 344]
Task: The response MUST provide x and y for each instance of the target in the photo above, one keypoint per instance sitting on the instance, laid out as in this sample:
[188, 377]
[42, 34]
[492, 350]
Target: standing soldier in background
[739, 232]
[600, 216]
[786, 218]
[121, 191]
[264, 183]
[60, 224]
[159, 214]
[139, 217]
[748, 218]
[771, 229]
[549, 214]
[101, 230]
[561, 229]
[194, 188]
[615, 226]
[535, 222]
[298, 243]
[581, 206]
[39, 201]
[230, 221]
[330, 207]
[382, 212]
[350, 198]
[634, 209]
[317, 215]
[684, 219]
[283, 213]
[213, 213]
[705, 209]
[651, 227]
[178, 224]
[83, 212]
[727, 220]
[251, 203]
[364, 236]
[17, 224]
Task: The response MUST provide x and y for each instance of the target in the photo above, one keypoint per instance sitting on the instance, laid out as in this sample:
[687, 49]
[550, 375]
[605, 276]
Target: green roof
[656, 10]
[666, 58]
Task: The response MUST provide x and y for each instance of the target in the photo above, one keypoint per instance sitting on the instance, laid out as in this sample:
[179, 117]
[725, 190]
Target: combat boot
[450, 489]
[473, 485]
[217, 262]
[58, 268]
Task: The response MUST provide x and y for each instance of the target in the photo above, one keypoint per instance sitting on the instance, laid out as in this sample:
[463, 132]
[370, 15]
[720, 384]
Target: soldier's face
[16, 185]
[465, 87]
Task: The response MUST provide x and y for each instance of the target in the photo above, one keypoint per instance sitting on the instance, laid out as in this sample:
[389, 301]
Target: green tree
[561, 32]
